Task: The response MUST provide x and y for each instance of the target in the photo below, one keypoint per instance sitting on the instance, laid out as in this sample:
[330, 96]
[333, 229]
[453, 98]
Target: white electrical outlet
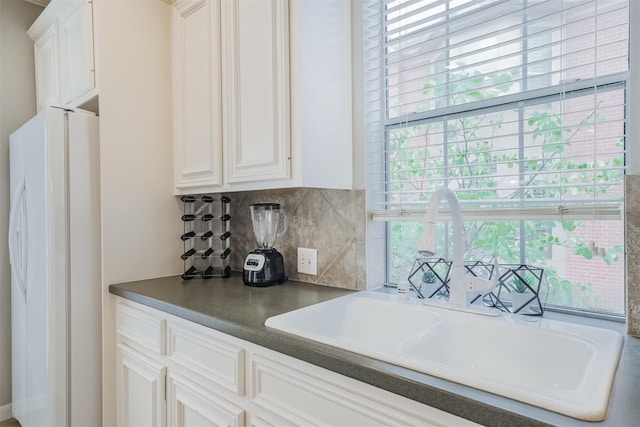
[308, 261]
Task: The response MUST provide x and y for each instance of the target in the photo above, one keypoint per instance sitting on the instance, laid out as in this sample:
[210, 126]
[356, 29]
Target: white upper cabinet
[63, 45]
[321, 93]
[259, 101]
[76, 51]
[255, 37]
[197, 115]
[47, 71]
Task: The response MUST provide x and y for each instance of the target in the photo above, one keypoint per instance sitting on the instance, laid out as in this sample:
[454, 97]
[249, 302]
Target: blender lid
[266, 205]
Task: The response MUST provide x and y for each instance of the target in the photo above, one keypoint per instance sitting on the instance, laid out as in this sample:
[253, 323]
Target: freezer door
[17, 240]
[30, 264]
[17, 259]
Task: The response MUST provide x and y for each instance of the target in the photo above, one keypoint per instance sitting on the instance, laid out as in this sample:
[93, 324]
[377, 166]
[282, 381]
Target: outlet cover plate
[308, 261]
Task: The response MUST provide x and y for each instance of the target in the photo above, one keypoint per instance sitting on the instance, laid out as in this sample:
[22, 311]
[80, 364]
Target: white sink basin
[558, 366]
[363, 323]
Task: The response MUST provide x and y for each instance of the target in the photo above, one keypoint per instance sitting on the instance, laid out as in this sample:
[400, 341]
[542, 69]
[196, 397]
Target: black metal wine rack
[206, 236]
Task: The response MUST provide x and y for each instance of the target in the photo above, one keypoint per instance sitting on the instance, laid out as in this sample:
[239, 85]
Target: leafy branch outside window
[473, 152]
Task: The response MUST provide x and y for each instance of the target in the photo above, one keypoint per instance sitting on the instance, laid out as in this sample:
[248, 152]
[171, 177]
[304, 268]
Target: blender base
[263, 267]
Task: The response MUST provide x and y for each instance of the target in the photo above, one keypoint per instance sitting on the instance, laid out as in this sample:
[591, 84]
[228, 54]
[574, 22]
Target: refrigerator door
[17, 241]
[29, 296]
[54, 242]
[17, 259]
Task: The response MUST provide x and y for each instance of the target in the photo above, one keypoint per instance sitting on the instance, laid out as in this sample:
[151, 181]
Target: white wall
[140, 217]
[17, 105]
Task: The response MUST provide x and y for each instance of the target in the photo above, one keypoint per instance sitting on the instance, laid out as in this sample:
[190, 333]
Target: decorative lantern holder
[518, 289]
[433, 275]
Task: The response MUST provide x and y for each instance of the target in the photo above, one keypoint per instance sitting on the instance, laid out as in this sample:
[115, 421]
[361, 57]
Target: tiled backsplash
[632, 219]
[331, 221]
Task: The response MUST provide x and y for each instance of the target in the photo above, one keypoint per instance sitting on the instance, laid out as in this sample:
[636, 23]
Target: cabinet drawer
[206, 356]
[140, 328]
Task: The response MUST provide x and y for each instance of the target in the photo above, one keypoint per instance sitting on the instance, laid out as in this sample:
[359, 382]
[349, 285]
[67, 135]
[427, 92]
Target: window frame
[502, 103]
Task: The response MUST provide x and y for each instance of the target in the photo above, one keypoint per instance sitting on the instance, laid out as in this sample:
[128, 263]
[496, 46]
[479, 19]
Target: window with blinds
[518, 106]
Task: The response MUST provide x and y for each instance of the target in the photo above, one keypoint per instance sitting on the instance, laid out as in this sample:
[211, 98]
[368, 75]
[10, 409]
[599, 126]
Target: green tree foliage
[460, 153]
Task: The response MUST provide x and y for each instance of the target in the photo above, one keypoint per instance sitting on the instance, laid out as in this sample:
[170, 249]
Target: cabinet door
[196, 92]
[140, 390]
[255, 72]
[76, 45]
[47, 68]
[190, 405]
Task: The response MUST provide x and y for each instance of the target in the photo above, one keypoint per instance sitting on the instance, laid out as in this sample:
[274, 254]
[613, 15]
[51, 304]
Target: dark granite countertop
[230, 307]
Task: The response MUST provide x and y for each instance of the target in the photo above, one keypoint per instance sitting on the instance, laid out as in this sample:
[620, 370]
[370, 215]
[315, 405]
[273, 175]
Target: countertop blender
[264, 266]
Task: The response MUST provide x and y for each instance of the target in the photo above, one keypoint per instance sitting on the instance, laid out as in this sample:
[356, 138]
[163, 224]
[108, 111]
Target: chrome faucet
[459, 284]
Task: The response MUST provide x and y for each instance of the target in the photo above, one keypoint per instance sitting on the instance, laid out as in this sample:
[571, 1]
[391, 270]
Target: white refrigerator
[54, 250]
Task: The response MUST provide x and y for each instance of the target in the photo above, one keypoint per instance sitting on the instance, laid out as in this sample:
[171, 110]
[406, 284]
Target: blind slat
[522, 97]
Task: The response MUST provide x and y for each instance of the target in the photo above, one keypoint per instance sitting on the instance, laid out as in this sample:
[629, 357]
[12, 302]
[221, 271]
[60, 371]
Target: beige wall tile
[331, 221]
[632, 221]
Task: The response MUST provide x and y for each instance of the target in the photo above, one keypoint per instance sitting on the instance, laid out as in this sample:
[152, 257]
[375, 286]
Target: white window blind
[516, 105]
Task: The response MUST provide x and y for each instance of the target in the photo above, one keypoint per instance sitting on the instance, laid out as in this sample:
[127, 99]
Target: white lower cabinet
[201, 377]
[190, 405]
[141, 389]
[206, 356]
[313, 396]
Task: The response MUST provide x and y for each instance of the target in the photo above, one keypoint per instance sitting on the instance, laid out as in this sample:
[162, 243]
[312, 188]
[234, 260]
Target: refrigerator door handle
[17, 236]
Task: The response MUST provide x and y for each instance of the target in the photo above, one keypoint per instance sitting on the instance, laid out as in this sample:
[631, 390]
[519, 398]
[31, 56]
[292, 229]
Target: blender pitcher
[267, 223]
[264, 266]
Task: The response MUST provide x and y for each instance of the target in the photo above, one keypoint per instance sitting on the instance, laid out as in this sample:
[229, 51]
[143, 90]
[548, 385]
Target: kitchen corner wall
[331, 221]
[632, 221]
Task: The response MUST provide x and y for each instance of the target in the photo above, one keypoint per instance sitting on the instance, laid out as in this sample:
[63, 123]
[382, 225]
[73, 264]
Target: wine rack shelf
[206, 236]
